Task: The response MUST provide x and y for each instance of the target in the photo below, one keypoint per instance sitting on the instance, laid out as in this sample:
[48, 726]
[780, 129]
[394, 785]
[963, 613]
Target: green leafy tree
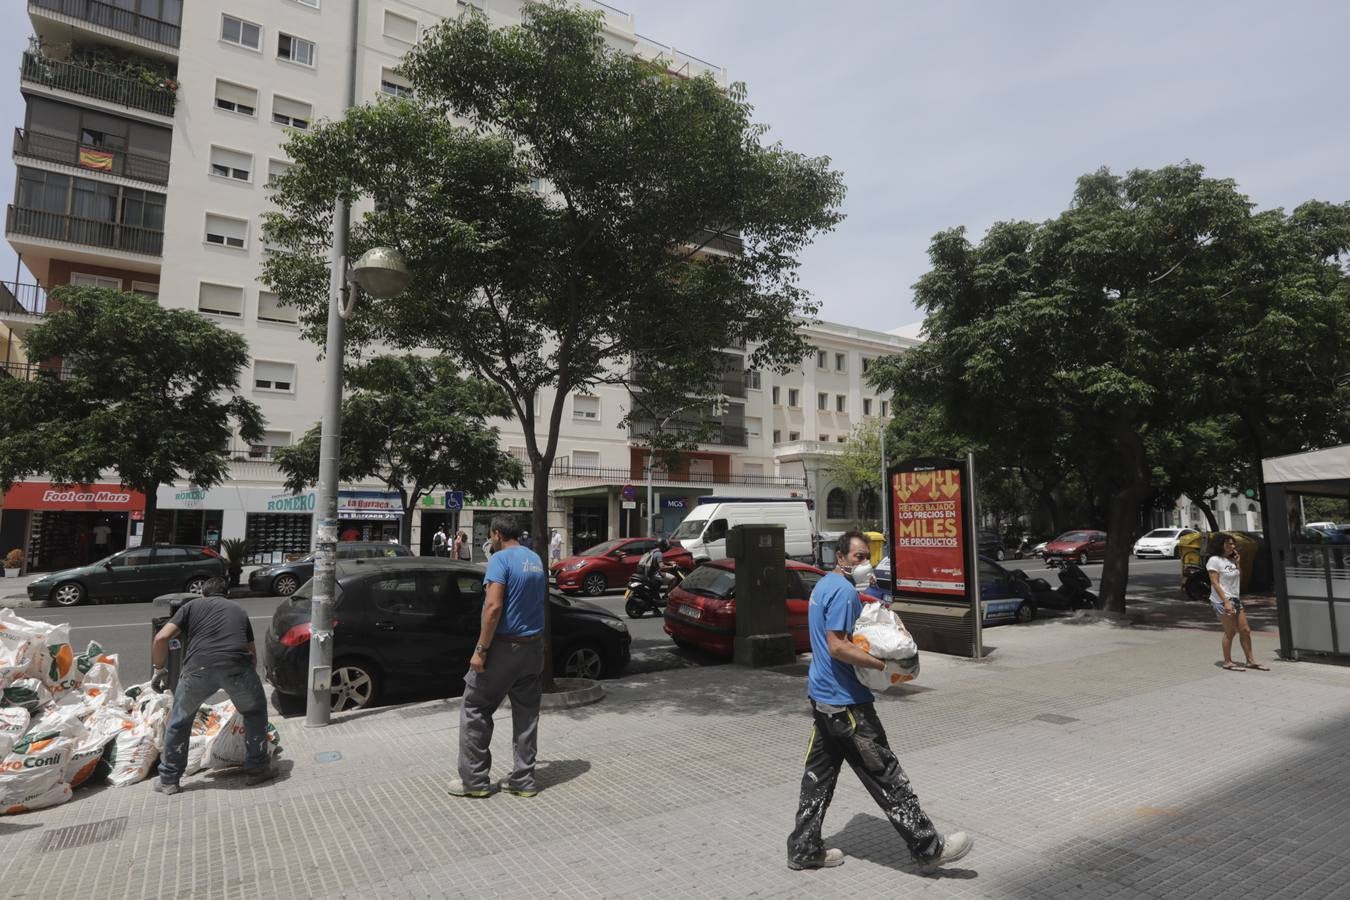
[415, 424]
[142, 390]
[573, 217]
[858, 469]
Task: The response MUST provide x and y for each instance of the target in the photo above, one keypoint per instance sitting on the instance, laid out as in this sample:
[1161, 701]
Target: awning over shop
[74, 497]
[1319, 471]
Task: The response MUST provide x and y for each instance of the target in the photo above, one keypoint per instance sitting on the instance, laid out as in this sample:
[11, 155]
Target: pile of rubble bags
[66, 720]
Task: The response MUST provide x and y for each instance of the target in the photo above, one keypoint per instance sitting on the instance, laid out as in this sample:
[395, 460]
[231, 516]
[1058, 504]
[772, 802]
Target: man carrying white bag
[879, 633]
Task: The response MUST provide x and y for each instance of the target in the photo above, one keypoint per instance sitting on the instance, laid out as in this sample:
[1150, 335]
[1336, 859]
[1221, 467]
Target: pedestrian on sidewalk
[463, 549]
[1225, 589]
[220, 655]
[847, 729]
[507, 662]
[438, 542]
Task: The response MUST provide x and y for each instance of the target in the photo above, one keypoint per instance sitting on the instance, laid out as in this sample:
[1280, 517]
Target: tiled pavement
[1089, 760]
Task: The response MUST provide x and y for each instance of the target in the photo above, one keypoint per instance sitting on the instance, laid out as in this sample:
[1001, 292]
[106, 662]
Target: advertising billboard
[928, 529]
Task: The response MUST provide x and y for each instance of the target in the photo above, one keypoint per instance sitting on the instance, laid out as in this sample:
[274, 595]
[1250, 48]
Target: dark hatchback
[141, 573]
[408, 627]
[284, 579]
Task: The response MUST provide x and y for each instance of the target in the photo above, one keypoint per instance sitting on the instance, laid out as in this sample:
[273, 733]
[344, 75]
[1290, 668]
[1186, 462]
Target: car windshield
[600, 549]
[711, 581]
[1162, 533]
[1075, 536]
[689, 528]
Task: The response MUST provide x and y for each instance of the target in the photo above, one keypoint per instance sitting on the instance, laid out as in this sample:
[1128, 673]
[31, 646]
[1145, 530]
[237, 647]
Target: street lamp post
[382, 273]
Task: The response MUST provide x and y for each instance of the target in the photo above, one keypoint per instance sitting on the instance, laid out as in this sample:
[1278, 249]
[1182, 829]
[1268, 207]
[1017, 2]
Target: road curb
[18, 601]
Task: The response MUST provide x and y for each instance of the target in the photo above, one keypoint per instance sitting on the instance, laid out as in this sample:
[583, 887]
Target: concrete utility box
[762, 637]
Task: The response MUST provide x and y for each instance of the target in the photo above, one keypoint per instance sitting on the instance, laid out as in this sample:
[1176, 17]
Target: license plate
[691, 612]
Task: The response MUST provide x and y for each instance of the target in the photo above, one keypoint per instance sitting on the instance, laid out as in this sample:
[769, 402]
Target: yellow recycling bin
[877, 542]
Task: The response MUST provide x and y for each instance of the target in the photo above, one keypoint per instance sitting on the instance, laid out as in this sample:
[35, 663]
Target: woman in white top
[1225, 583]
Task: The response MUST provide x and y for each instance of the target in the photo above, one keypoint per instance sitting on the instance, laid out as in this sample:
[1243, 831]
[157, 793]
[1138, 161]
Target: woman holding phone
[1225, 581]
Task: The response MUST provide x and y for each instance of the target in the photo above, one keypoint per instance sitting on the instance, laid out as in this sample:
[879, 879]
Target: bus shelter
[1312, 566]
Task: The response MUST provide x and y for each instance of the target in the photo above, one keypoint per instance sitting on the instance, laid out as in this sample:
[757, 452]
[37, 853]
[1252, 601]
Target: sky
[944, 113]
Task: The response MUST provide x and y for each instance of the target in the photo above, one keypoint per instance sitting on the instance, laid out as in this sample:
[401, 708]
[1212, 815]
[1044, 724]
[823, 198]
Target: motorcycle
[647, 594]
[1071, 594]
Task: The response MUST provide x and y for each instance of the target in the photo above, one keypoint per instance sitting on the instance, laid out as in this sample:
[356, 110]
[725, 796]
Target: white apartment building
[156, 183]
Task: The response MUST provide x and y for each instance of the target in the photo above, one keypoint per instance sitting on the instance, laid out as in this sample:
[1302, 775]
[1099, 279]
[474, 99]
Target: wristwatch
[479, 648]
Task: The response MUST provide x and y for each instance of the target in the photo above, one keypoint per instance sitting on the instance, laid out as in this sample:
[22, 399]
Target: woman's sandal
[1232, 667]
[1257, 666]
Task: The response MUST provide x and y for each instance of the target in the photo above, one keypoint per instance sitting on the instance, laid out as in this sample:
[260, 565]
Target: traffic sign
[454, 499]
[629, 492]
[630, 504]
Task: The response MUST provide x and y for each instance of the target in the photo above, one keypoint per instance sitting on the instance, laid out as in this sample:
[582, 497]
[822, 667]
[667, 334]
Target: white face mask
[862, 574]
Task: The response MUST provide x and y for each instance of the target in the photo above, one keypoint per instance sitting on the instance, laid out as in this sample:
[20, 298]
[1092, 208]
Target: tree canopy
[142, 390]
[415, 424]
[573, 216]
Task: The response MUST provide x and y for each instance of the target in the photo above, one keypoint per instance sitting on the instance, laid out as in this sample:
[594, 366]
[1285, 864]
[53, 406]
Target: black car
[408, 626]
[284, 579]
[141, 573]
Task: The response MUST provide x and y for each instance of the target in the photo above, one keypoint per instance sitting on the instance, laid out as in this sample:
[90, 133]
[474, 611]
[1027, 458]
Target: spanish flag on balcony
[96, 159]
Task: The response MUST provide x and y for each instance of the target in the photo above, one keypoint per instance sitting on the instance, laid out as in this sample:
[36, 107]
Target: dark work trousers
[854, 733]
[514, 670]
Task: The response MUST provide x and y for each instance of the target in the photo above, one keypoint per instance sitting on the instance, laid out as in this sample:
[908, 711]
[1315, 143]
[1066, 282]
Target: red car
[608, 565]
[701, 611]
[1080, 546]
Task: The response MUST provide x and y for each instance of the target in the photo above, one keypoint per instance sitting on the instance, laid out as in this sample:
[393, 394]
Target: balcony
[71, 229]
[722, 434]
[562, 469]
[20, 299]
[128, 92]
[27, 371]
[108, 16]
[70, 152]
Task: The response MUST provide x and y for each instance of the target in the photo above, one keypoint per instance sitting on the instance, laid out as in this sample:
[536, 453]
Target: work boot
[456, 788]
[825, 859]
[954, 846]
[168, 788]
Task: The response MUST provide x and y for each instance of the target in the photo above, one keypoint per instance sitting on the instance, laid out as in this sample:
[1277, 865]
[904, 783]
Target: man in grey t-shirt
[220, 656]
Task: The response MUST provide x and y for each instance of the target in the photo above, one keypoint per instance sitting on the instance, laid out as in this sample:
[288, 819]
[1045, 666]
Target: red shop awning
[74, 497]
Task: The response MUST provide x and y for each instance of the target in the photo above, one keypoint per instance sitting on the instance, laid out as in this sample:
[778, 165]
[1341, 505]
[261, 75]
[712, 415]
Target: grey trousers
[513, 670]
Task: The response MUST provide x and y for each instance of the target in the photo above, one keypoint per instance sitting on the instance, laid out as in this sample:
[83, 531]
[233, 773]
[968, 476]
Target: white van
[704, 531]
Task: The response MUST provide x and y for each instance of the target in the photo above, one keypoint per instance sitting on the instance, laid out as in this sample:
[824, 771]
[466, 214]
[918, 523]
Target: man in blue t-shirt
[507, 662]
[847, 728]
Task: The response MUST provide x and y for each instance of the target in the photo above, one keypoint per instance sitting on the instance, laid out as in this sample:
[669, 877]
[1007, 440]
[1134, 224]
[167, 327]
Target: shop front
[276, 525]
[59, 526]
[186, 519]
[369, 516]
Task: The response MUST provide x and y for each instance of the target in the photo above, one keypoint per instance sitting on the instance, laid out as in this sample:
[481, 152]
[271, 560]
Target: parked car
[1003, 593]
[609, 564]
[140, 573]
[701, 611]
[408, 625]
[1080, 546]
[1162, 543]
[284, 579]
[991, 545]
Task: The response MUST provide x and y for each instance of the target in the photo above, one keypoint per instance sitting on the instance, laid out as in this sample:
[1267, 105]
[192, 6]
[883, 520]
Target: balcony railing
[105, 15]
[614, 475]
[70, 152]
[22, 299]
[99, 85]
[60, 227]
[26, 371]
[722, 434]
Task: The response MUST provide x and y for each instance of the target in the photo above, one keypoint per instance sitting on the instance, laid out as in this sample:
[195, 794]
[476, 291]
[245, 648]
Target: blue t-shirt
[835, 606]
[526, 587]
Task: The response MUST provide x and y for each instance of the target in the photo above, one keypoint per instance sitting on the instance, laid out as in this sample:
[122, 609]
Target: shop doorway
[590, 526]
[482, 526]
[433, 520]
[61, 540]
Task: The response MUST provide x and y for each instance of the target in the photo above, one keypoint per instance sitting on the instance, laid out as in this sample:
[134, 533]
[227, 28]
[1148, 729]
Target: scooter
[1072, 592]
[647, 594]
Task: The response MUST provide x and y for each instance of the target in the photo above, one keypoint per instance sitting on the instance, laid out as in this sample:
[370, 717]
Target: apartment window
[145, 289]
[777, 436]
[400, 28]
[753, 470]
[274, 376]
[840, 403]
[885, 408]
[840, 439]
[867, 406]
[824, 438]
[271, 440]
[586, 462]
[866, 364]
[794, 397]
[774, 393]
[294, 49]
[822, 401]
[841, 362]
[585, 407]
[98, 281]
[276, 168]
[286, 111]
[394, 85]
[220, 300]
[226, 232]
[271, 310]
[236, 98]
[822, 359]
[754, 427]
[794, 436]
[752, 379]
[240, 32]
[231, 164]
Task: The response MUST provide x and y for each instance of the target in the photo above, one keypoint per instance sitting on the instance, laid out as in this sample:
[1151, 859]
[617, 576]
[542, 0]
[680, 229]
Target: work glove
[159, 681]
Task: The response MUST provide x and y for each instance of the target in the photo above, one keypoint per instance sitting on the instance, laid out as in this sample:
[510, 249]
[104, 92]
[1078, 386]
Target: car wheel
[634, 609]
[1082, 559]
[289, 704]
[355, 684]
[999, 555]
[285, 585]
[1087, 600]
[684, 645]
[70, 593]
[1176, 552]
[583, 662]
[195, 584]
[595, 585]
[1026, 613]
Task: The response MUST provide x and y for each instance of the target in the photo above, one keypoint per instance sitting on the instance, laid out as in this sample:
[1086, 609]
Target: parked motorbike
[1073, 591]
[647, 593]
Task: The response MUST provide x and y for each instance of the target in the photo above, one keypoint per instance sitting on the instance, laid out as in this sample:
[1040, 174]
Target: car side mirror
[108, 566]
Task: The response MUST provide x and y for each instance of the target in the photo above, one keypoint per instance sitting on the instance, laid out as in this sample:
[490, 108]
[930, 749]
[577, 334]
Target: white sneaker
[954, 846]
[826, 859]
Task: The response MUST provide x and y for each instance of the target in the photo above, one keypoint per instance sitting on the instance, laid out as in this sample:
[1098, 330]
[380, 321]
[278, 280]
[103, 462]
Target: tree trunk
[405, 527]
[539, 532]
[1209, 514]
[1122, 511]
[151, 509]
